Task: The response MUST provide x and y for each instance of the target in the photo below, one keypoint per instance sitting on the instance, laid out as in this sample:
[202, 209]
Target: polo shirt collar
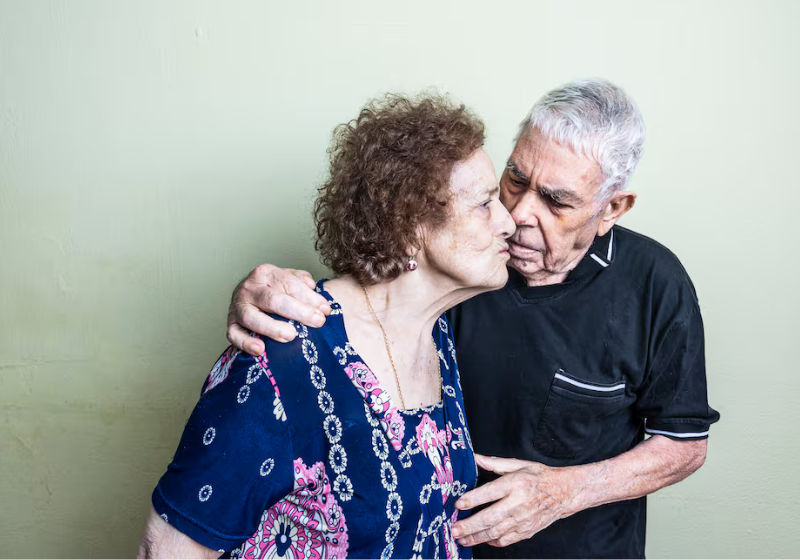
[598, 257]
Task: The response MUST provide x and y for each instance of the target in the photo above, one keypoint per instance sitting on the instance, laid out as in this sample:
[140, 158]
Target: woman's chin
[502, 278]
[496, 279]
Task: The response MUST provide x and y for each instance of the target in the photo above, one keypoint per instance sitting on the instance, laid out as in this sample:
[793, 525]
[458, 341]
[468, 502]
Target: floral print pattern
[378, 399]
[300, 453]
[433, 443]
[306, 524]
[221, 369]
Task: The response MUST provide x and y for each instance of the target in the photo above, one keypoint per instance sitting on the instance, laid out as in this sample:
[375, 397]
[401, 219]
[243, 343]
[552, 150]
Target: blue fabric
[299, 452]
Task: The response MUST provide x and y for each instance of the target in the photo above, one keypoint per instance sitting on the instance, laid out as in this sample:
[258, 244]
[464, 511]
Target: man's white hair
[595, 119]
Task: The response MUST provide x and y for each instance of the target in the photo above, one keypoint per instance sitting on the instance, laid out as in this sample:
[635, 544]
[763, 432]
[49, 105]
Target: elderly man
[595, 341]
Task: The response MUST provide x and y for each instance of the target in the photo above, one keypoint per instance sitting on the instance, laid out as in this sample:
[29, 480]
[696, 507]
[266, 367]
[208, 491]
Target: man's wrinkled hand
[269, 289]
[528, 497]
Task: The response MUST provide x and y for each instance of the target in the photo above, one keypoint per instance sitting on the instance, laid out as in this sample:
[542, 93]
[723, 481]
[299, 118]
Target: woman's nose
[506, 225]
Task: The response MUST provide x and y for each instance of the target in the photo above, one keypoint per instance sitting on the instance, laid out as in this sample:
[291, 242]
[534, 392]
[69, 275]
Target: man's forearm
[650, 466]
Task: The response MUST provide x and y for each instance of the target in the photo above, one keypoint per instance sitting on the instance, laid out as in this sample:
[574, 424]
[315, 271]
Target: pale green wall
[151, 153]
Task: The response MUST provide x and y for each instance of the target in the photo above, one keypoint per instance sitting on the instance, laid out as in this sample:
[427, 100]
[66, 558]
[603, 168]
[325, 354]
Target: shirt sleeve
[234, 459]
[674, 400]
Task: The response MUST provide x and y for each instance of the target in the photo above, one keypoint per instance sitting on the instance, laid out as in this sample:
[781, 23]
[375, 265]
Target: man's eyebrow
[511, 166]
[560, 195]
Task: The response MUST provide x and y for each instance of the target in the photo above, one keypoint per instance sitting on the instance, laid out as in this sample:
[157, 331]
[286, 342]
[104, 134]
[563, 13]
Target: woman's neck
[407, 309]
[409, 304]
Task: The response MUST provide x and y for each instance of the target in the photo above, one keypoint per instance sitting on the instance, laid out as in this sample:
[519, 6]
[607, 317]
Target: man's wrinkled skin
[531, 496]
[284, 291]
[553, 196]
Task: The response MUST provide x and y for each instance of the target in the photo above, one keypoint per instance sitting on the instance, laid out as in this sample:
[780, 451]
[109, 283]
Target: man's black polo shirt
[578, 372]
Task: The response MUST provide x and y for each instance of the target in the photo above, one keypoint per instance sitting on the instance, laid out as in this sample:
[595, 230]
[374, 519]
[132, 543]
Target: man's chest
[541, 380]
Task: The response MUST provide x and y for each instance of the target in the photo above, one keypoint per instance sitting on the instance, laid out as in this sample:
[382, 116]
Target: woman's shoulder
[282, 369]
[309, 347]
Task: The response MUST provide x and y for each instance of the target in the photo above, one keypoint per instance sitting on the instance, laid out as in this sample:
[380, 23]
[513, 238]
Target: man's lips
[520, 250]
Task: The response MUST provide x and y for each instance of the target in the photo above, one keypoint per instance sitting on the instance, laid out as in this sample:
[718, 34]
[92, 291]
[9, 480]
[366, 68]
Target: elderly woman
[351, 439]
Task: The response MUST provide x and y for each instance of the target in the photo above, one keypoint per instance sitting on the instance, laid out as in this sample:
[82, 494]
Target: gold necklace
[389, 352]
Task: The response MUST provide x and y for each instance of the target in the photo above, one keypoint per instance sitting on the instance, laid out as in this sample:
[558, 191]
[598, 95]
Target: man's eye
[551, 200]
[516, 185]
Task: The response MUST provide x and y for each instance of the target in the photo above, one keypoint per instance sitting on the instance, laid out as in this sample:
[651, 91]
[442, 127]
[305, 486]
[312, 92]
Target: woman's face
[471, 247]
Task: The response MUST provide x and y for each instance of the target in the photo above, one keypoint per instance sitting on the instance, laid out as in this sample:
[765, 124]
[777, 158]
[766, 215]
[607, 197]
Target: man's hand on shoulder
[528, 497]
[268, 289]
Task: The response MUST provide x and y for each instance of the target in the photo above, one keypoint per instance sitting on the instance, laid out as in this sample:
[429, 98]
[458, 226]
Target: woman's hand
[269, 289]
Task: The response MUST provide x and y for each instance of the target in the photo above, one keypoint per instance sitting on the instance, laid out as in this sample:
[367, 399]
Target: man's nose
[525, 211]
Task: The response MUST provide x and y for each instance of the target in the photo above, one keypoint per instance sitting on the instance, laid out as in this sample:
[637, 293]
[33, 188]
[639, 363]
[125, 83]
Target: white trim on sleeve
[676, 434]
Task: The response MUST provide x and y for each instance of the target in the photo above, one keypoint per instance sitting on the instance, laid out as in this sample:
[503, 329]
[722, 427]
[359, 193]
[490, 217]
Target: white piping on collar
[598, 259]
[603, 263]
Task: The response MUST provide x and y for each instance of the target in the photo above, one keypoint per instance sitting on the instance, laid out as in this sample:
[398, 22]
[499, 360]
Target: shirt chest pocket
[571, 419]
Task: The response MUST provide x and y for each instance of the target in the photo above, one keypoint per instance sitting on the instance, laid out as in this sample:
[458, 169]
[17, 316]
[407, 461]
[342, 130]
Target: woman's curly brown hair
[389, 173]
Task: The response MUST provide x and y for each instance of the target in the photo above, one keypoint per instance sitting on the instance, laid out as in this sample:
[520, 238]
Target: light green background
[151, 153]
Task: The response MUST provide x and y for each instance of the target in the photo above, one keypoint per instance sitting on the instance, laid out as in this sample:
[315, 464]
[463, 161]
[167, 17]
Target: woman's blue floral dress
[299, 453]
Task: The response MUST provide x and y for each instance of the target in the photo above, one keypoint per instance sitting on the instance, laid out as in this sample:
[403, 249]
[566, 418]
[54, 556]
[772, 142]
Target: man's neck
[549, 277]
[548, 280]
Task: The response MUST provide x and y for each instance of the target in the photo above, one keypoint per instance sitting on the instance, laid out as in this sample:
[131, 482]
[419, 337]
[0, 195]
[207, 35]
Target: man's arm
[269, 289]
[162, 540]
[531, 496]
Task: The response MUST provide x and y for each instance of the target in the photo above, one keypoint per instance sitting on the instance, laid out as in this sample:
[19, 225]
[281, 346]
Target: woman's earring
[412, 264]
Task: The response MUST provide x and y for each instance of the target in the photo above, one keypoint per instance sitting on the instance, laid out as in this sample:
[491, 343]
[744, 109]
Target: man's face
[550, 192]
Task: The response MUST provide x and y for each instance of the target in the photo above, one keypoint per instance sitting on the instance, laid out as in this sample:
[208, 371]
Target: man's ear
[614, 210]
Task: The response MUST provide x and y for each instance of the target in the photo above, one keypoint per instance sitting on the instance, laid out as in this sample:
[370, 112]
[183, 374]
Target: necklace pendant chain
[389, 351]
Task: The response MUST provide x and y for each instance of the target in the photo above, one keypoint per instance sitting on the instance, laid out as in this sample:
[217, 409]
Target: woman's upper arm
[235, 457]
[162, 540]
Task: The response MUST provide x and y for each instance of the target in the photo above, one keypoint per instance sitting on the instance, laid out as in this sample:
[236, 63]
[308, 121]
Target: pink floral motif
[433, 443]
[277, 410]
[394, 425]
[263, 361]
[308, 523]
[222, 368]
[368, 386]
[450, 546]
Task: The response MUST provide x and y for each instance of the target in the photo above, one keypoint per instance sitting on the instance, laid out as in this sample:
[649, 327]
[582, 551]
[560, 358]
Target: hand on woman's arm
[269, 289]
[162, 540]
[528, 497]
